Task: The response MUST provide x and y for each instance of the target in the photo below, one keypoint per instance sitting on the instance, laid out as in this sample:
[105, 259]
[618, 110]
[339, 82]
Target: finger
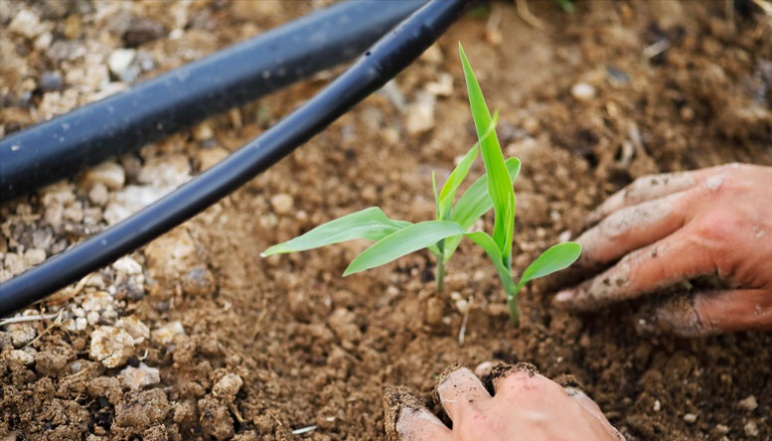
[644, 189]
[663, 264]
[631, 228]
[461, 391]
[710, 313]
[408, 420]
[592, 407]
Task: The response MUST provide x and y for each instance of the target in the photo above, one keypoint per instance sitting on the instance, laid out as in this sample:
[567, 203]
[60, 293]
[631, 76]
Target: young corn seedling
[441, 236]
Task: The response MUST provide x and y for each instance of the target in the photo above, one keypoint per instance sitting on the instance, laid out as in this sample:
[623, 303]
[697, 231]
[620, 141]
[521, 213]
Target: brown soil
[274, 345]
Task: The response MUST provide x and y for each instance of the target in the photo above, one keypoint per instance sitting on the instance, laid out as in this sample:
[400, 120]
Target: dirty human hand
[663, 232]
[524, 406]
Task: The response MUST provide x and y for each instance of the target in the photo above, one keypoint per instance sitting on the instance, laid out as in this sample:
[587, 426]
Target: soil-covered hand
[683, 232]
[524, 406]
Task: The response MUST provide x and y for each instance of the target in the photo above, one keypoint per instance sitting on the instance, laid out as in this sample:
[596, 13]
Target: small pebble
[26, 24]
[127, 265]
[99, 194]
[442, 87]
[111, 346]
[135, 327]
[22, 357]
[120, 60]
[22, 333]
[583, 92]
[690, 418]
[750, 404]
[751, 429]
[139, 377]
[419, 117]
[208, 158]
[228, 386]
[50, 81]
[109, 174]
[282, 203]
[165, 334]
[722, 429]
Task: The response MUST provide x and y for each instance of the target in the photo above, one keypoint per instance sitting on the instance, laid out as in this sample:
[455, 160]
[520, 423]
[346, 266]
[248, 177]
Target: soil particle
[198, 282]
[227, 387]
[111, 346]
[52, 362]
[140, 410]
[343, 324]
[138, 377]
[167, 333]
[215, 419]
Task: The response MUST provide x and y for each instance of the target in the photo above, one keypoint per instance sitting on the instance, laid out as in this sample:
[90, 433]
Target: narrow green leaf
[556, 258]
[474, 203]
[487, 243]
[402, 242]
[370, 223]
[499, 183]
[436, 196]
[448, 193]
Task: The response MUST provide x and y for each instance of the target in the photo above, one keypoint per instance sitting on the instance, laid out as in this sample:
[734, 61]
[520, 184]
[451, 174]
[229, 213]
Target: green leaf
[436, 195]
[402, 242]
[448, 193]
[474, 203]
[487, 243]
[499, 183]
[556, 258]
[370, 223]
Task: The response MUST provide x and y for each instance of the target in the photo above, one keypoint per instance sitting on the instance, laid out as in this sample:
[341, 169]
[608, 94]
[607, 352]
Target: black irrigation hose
[382, 62]
[182, 97]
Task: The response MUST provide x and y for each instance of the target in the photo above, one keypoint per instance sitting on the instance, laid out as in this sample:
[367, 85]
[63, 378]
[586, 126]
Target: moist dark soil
[268, 346]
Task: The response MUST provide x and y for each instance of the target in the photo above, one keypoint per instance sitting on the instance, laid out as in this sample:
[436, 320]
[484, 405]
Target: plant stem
[514, 312]
[440, 272]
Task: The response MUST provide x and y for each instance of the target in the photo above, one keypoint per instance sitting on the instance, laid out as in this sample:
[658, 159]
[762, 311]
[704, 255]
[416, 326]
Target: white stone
[134, 326]
[583, 92]
[26, 24]
[130, 200]
[120, 60]
[34, 256]
[751, 429]
[690, 418]
[419, 117]
[109, 174]
[22, 357]
[97, 301]
[168, 171]
[166, 334]
[127, 265]
[282, 203]
[442, 87]
[139, 377]
[22, 333]
[750, 404]
[111, 346]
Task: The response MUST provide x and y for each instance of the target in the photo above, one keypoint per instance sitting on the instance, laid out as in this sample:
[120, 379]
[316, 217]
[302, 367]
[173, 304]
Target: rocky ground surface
[196, 337]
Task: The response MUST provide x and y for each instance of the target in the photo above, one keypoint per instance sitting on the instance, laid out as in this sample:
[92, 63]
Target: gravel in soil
[196, 337]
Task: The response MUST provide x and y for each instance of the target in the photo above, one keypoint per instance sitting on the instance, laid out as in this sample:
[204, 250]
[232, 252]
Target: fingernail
[564, 296]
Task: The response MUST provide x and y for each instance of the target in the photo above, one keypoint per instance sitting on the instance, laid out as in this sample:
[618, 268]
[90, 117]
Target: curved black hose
[124, 122]
[382, 62]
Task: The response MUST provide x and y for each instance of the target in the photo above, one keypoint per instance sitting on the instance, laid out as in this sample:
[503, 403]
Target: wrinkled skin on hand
[524, 406]
[663, 231]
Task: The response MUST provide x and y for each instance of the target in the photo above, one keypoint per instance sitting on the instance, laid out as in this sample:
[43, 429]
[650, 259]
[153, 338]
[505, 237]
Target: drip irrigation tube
[382, 62]
[182, 97]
